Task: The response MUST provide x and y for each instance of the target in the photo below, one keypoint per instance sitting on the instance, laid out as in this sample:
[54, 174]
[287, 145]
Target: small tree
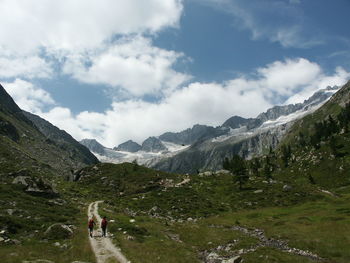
[237, 166]
[286, 154]
[268, 168]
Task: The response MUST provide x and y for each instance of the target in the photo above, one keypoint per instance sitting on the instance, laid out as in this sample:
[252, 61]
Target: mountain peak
[128, 146]
[93, 145]
[7, 103]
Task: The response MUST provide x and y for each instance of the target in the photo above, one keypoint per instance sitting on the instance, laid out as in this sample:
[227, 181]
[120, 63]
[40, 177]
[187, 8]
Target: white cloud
[26, 25]
[133, 64]
[27, 67]
[27, 96]
[31, 30]
[203, 103]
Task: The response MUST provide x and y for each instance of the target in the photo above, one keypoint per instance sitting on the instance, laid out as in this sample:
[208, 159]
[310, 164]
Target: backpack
[91, 223]
[104, 223]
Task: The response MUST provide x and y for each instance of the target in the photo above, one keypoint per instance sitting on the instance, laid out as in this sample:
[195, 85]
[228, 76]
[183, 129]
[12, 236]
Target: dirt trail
[103, 247]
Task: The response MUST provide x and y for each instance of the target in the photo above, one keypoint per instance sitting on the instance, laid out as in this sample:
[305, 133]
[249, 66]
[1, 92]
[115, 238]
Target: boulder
[35, 186]
[287, 188]
[236, 259]
[58, 231]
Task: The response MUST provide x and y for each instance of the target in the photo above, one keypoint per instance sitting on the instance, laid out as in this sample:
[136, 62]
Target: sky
[115, 70]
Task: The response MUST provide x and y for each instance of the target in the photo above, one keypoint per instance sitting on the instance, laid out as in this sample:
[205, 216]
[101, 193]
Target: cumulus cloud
[36, 36]
[28, 96]
[132, 64]
[203, 103]
[80, 24]
[28, 67]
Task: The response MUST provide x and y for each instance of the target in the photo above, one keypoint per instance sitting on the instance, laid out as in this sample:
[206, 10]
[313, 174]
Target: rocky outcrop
[153, 144]
[128, 146]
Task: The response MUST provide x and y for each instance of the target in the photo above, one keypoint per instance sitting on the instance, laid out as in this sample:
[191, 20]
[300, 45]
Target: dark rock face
[152, 144]
[196, 133]
[93, 146]
[62, 139]
[128, 146]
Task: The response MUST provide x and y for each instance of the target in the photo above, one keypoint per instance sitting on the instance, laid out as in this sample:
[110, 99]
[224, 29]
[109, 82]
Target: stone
[287, 188]
[236, 259]
[58, 231]
[212, 257]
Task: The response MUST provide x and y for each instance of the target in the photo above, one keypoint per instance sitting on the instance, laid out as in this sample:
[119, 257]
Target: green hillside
[292, 206]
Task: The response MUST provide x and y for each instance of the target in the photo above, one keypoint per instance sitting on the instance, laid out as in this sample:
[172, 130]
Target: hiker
[91, 226]
[104, 226]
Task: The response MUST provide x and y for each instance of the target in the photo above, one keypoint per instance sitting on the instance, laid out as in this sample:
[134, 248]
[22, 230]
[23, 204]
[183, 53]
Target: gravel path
[103, 247]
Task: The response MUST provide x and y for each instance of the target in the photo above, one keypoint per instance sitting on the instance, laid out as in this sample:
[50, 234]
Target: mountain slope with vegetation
[289, 205]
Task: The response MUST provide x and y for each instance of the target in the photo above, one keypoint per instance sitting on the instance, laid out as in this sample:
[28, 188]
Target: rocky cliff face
[128, 146]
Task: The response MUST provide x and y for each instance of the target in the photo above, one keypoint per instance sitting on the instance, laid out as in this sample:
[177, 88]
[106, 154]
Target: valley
[293, 205]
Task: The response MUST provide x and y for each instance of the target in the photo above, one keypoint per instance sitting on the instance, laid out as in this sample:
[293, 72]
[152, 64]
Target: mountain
[36, 161]
[37, 141]
[247, 137]
[128, 146]
[63, 140]
[153, 144]
[93, 146]
[204, 147]
[194, 134]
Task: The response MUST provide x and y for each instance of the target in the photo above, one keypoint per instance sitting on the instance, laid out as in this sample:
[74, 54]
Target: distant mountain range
[204, 147]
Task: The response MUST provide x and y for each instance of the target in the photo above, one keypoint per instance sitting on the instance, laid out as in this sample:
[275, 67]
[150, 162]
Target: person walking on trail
[104, 226]
[91, 226]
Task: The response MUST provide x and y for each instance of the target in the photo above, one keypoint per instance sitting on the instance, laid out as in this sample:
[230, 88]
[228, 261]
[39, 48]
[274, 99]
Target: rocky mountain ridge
[204, 147]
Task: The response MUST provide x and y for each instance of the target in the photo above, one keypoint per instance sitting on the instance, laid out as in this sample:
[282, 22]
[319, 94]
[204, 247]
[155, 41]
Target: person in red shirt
[104, 226]
[91, 226]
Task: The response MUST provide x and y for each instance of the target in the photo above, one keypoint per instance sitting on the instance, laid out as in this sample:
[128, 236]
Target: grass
[321, 227]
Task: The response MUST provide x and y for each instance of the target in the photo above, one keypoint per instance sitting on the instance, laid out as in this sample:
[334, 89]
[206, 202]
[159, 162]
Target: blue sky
[118, 70]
